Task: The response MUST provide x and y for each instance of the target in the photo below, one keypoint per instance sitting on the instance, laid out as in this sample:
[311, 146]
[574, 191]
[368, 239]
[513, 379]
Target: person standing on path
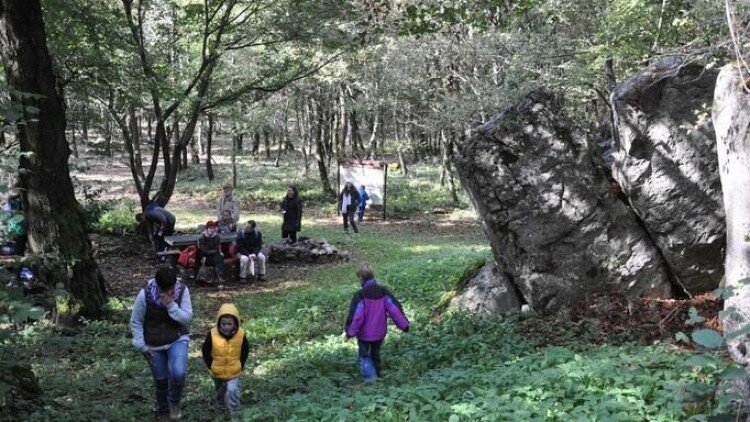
[225, 351]
[159, 324]
[348, 203]
[363, 198]
[291, 211]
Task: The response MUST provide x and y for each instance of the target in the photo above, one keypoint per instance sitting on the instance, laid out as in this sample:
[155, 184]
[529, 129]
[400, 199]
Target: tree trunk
[240, 138]
[256, 143]
[135, 142]
[73, 137]
[200, 144]
[279, 148]
[194, 156]
[344, 119]
[209, 141]
[53, 214]
[302, 135]
[402, 163]
[85, 124]
[184, 156]
[372, 149]
[449, 167]
[320, 157]
[267, 144]
[108, 137]
[236, 140]
[731, 118]
[356, 137]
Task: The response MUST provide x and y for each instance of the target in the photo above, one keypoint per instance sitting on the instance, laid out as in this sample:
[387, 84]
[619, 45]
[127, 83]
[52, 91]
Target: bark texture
[556, 231]
[665, 163]
[55, 222]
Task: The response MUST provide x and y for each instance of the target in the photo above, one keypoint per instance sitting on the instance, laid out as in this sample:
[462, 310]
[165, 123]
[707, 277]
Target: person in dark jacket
[159, 324]
[291, 210]
[226, 224]
[225, 352]
[160, 221]
[368, 312]
[348, 203]
[363, 197]
[250, 247]
[209, 246]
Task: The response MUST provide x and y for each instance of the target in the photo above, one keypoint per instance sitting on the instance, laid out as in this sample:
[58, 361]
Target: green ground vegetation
[450, 366]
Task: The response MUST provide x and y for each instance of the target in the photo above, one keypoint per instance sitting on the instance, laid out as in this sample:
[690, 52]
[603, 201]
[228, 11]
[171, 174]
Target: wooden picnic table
[180, 240]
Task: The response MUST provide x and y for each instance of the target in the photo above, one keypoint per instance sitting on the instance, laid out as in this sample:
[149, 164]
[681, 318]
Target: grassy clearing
[453, 367]
[261, 187]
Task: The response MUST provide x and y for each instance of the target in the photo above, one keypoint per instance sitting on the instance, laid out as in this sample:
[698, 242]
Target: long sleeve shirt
[181, 313]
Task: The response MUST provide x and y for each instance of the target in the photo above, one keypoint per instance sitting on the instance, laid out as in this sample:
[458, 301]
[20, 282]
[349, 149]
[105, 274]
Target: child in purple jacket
[368, 313]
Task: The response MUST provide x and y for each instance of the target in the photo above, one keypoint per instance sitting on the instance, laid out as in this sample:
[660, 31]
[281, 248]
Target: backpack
[187, 256]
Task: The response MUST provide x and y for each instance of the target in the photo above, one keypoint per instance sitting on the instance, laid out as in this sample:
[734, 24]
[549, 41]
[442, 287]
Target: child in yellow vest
[225, 351]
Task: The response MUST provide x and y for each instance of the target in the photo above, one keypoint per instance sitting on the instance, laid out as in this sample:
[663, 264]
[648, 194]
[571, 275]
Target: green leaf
[693, 317]
[36, 312]
[699, 361]
[680, 336]
[733, 373]
[708, 338]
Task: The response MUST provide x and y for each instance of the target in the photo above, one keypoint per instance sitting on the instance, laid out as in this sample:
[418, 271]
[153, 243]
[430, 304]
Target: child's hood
[228, 309]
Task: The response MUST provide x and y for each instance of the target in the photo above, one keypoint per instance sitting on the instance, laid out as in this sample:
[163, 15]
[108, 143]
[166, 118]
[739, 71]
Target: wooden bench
[169, 255]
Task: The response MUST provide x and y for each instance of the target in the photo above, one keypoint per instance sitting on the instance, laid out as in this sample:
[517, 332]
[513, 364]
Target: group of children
[247, 247]
[159, 324]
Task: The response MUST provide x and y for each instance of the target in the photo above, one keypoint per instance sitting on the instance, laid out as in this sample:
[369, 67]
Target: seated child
[209, 246]
[225, 351]
[226, 224]
[250, 247]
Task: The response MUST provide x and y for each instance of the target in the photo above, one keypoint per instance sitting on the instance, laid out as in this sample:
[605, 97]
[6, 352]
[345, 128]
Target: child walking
[225, 351]
[367, 316]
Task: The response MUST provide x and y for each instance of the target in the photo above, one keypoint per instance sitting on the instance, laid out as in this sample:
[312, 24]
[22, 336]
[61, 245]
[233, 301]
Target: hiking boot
[175, 413]
[262, 277]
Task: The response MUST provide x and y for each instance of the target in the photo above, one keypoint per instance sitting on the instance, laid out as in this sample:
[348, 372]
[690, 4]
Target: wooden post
[385, 188]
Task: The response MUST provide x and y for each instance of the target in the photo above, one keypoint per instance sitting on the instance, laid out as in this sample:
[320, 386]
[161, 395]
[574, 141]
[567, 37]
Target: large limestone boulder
[555, 230]
[731, 116]
[665, 162]
[488, 293]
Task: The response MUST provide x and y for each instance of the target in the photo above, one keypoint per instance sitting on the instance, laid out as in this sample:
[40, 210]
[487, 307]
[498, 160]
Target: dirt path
[127, 261]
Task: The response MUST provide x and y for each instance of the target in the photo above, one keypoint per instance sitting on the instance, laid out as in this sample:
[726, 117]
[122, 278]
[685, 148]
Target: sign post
[370, 173]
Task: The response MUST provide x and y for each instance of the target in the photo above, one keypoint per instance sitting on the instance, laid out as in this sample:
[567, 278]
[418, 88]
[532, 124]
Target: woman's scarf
[153, 293]
[346, 200]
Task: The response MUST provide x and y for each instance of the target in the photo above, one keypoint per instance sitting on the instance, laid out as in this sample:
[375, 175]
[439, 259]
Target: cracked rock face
[488, 293]
[665, 162]
[557, 230]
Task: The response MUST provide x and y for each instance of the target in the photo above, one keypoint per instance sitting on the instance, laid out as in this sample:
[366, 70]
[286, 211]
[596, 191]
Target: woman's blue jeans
[169, 369]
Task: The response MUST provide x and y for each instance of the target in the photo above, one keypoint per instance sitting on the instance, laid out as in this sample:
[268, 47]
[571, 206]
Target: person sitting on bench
[250, 247]
[209, 246]
[227, 224]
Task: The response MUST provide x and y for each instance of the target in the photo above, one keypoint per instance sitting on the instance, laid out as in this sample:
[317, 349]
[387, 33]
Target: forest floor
[611, 360]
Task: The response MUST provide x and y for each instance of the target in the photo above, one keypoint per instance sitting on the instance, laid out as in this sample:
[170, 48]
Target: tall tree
[56, 224]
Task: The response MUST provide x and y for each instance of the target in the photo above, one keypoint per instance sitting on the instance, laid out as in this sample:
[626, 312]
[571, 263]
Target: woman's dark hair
[295, 191]
[166, 277]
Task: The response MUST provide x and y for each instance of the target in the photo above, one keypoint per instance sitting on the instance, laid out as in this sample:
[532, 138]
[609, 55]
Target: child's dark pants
[371, 349]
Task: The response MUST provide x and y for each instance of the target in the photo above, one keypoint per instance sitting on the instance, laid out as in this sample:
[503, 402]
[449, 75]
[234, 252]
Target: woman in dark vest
[159, 323]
